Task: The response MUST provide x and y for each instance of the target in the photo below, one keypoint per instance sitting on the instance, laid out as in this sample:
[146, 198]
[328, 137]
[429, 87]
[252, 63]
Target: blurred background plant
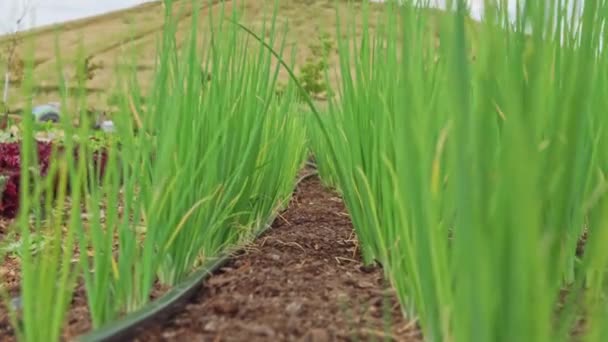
[312, 71]
[10, 59]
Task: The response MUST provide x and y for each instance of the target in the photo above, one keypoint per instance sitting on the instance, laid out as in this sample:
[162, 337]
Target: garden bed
[303, 279]
[78, 320]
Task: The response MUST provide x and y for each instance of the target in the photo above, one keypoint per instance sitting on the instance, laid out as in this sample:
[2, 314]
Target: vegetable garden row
[471, 158]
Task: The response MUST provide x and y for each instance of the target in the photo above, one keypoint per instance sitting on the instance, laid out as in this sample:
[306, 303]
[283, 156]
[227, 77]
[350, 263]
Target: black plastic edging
[167, 304]
[126, 327]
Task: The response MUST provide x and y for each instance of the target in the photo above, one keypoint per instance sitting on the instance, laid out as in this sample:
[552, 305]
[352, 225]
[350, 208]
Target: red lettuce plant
[10, 172]
[10, 167]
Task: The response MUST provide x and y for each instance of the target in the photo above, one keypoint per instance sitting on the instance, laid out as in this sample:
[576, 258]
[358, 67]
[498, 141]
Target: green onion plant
[472, 158]
[200, 168]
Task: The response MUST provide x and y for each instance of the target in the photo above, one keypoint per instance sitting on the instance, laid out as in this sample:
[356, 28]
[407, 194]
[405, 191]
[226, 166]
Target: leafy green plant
[3, 181]
[88, 68]
[312, 72]
[15, 247]
[12, 61]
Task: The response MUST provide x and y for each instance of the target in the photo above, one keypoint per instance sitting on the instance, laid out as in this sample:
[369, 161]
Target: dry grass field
[125, 39]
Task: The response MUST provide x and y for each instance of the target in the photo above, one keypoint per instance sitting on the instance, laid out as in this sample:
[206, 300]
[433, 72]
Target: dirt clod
[368, 268]
[225, 308]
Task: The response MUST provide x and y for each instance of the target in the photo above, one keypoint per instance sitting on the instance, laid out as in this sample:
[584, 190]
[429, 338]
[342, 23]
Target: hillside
[110, 42]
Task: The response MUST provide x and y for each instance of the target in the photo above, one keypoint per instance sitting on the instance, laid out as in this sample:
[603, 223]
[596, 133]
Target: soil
[9, 267]
[301, 281]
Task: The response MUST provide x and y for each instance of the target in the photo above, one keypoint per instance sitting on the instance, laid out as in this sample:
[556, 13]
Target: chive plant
[47, 276]
[219, 160]
[198, 169]
[472, 158]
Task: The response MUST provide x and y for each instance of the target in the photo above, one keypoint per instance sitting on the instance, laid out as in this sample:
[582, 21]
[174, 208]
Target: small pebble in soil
[293, 308]
[211, 326]
[169, 334]
[16, 303]
[275, 257]
[362, 284]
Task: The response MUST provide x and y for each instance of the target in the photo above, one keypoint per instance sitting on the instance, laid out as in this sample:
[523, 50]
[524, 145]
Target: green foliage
[14, 246]
[3, 180]
[471, 182]
[206, 171]
[312, 72]
[116, 99]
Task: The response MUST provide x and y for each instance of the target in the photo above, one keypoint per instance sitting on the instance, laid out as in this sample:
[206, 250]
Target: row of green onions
[472, 157]
[209, 165]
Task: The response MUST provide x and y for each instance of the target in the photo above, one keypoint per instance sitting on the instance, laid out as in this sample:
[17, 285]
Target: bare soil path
[301, 281]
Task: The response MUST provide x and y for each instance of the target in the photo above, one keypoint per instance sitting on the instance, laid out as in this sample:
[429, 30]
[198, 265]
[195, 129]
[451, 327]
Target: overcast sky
[44, 12]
